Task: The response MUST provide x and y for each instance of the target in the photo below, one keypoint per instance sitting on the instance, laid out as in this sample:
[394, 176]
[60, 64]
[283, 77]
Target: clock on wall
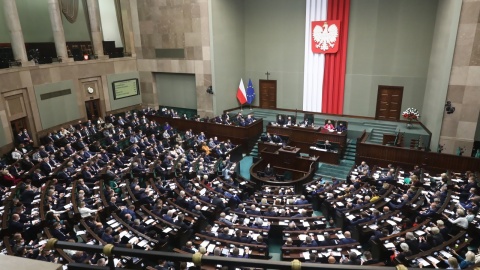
[90, 90]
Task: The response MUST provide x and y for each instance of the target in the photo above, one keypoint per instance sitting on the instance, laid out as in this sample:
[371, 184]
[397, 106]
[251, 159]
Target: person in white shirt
[16, 155]
[461, 220]
[84, 211]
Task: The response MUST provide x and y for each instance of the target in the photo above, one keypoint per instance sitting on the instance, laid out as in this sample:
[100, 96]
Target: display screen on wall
[125, 88]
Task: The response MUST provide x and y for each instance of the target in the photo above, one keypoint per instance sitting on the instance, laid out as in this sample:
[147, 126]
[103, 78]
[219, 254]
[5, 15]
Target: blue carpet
[245, 165]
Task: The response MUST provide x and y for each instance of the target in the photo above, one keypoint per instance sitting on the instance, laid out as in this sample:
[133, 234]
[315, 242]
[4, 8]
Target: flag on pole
[241, 95]
[250, 92]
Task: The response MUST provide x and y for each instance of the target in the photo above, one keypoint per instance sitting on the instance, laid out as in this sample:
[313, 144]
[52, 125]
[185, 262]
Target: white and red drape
[324, 74]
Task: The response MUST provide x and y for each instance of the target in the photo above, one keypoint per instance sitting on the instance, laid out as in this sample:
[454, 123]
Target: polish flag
[241, 94]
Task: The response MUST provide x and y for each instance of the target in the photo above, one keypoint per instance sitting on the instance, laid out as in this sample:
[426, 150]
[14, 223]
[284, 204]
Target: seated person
[290, 121]
[329, 126]
[268, 171]
[266, 137]
[328, 145]
[306, 123]
[341, 127]
[280, 120]
[276, 138]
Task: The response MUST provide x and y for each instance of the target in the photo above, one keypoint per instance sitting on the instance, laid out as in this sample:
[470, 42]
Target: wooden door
[19, 124]
[268, 94]
[93, 109]
[389, 102]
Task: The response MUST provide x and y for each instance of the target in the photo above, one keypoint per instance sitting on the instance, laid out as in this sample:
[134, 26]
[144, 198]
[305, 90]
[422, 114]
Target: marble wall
[169, 24]
[458, 129]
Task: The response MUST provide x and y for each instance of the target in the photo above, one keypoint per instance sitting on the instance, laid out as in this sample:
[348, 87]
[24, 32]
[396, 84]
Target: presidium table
[306, 138]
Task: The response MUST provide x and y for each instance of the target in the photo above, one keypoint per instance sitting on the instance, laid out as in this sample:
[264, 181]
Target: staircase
[254, 153]
[340, 171]
[376, 136]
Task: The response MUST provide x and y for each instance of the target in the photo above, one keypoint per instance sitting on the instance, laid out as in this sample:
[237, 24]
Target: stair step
[382, 125]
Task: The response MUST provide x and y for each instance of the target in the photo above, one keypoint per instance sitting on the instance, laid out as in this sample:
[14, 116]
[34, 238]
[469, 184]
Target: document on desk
[391, 222]
[419, 233]
[320, 238]
[397, 219]
[445, 254]
[306, 255]
[210, 248]
[205, 243]
[302, 237]
[423, 262]
[389, 245]
[167, 230]
[142, 243]
[433, 259]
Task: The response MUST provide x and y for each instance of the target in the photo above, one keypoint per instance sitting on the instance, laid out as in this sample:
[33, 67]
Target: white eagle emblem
[326, 36]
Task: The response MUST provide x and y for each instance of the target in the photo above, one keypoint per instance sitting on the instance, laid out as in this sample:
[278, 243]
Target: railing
[110, 251]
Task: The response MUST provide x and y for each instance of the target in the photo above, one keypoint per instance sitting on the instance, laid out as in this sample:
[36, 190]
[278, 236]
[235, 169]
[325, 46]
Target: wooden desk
[304, 137]
[284, 160]
[325, 156]
[246, 136]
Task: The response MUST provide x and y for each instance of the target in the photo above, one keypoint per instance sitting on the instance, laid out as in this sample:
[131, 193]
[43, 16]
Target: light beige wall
[443, 45]
[458, 129]
[174, 25]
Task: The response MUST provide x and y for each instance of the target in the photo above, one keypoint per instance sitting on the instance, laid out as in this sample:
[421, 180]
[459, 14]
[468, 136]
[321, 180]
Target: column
[129, 45]
[96, 28]
[15, 29]
[57, 28]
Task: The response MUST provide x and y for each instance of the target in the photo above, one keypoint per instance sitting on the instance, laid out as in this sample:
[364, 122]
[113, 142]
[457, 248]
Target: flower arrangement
[411, 114]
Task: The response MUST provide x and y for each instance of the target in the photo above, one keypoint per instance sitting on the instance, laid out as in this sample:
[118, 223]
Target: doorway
[93, 109]
[389, 102]
[268, 94]
[19, 124]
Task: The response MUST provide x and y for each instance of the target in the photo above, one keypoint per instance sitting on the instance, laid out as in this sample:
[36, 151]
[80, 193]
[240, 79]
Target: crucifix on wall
[268, 73]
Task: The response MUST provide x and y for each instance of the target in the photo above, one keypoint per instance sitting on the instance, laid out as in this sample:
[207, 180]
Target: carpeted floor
[245, 165]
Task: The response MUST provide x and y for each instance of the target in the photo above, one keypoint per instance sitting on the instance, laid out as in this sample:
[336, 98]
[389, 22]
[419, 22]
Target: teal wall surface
[123, 102]
[35, 20]
[77, 31]
[176, 90]
[58, 110]
[36, 25]
[4, 35]
[389, 43]
[275, 42]
[228, 52]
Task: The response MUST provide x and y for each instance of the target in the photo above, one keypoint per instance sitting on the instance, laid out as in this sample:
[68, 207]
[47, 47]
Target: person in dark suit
[59, 233]
[432, 210]
[276, 138]
[348, 238]
[400, 203]
[268, 170]
[168, 216]
[369, 258]
[16, 225]
[239, 237]
[352, 259]
[223, 234]
[107, 235]
[309, 242]
[208, 231]
[340, 127]
[188, 247]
